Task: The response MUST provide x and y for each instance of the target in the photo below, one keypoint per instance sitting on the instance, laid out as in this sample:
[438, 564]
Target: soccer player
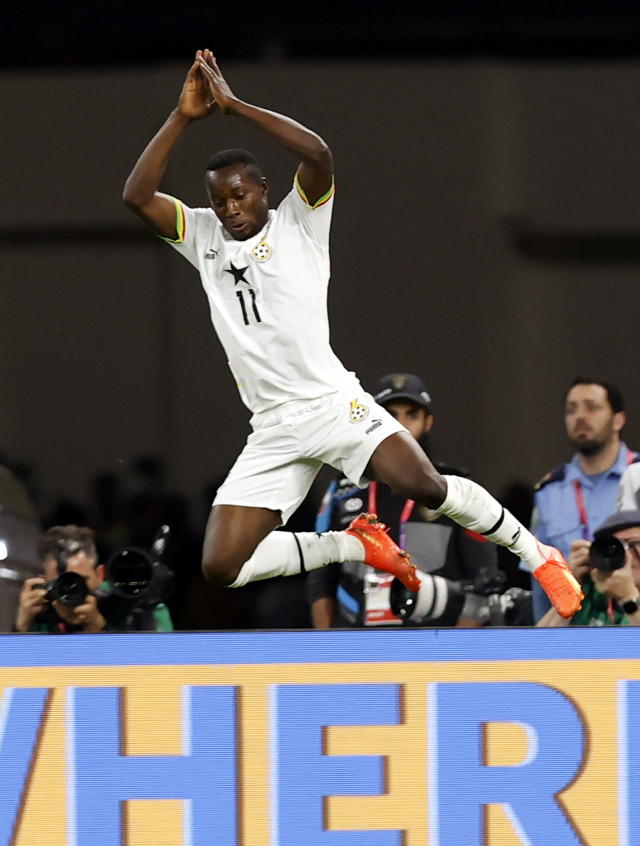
[266, 274]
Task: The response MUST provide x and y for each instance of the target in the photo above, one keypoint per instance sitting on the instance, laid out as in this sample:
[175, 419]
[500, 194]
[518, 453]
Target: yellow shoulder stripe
[322, 199]
[180, 225]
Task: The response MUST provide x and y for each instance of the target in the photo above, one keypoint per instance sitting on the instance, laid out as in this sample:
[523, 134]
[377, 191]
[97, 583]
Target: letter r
[461, 785]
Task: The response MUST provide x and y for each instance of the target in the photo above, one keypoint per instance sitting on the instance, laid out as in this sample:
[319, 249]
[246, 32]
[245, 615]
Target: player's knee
[430, 490]
[220, 569]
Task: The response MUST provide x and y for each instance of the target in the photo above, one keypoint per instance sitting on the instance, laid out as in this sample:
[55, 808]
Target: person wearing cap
[611, 596]
[351, 594]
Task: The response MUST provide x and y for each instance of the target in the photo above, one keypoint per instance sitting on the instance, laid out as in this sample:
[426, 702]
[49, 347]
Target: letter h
[100, 777]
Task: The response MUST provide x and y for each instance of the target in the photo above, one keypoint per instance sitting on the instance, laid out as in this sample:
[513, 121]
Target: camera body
[511, 608]
[69, 589]
[607, 553]
[482, 601]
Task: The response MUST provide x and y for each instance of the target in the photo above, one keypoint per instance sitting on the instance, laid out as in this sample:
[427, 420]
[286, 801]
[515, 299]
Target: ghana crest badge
[357, 411]
[261, 251]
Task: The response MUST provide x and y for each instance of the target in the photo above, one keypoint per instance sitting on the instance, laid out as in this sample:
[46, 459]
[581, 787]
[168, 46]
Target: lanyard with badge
[584, 517]
[377, 583]
[582, 509]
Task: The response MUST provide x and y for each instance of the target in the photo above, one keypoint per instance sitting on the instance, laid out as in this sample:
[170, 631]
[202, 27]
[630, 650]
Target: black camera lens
[130, 572]
[69, 589]
[607, 553]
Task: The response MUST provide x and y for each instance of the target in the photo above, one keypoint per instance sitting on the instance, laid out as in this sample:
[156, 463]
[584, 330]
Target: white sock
[290, 553]
[431, 599]
[474, 508]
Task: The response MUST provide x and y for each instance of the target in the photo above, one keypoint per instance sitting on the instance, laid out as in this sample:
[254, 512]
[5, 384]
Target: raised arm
[141, 188]
[315, 172]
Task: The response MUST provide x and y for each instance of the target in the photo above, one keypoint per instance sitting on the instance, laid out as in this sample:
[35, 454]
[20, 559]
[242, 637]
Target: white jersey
[268, 299]
[629, 489]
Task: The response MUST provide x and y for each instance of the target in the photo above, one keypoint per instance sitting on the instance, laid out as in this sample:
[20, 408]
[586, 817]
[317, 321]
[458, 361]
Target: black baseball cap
[618, 521]
[403, 386]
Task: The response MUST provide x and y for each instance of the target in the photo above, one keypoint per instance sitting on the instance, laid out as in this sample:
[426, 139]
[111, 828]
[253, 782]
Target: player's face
[591, 422]
[240, 203]
[414, 418]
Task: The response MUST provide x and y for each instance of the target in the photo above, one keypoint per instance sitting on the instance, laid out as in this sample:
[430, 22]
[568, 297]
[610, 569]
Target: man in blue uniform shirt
[574, 498]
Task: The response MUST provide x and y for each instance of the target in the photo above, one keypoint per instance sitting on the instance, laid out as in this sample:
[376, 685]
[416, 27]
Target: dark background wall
[467, 196]
[485, 235]
[69, 34]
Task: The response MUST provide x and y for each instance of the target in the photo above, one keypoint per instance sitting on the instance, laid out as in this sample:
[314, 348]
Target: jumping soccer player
[266, 274]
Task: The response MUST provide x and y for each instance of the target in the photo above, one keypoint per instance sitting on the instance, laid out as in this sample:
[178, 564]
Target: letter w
[21, 714]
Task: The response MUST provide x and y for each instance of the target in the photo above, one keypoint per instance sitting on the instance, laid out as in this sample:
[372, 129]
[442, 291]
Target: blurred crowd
[587, 507]
[127, 510]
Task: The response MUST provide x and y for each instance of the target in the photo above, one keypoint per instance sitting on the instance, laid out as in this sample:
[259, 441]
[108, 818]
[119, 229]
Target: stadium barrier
[490, 737]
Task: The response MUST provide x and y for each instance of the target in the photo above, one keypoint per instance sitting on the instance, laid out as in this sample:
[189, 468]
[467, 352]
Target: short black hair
[614, 396]
[82, 537]
[225, 158]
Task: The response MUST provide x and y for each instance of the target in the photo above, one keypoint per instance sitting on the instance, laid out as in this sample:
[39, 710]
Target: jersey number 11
[254, 306]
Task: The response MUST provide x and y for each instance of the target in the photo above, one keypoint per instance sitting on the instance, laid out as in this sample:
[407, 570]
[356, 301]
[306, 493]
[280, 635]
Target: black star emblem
[237, 273]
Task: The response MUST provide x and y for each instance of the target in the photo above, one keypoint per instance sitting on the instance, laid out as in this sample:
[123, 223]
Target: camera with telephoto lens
[68, 588]
[607, 553]
[483, 601]
[136, 582]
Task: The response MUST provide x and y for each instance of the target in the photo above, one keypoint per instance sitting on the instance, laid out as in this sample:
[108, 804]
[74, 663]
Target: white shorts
[289, 445]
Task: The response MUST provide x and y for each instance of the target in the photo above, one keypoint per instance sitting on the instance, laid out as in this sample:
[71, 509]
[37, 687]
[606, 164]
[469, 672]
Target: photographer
[37, 612]
[609, 571]
[73, 594]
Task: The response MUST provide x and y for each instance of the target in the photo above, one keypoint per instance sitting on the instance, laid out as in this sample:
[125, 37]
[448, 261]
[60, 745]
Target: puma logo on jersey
[374, 425]
[211, 254]
[357, 411]
[516, 534]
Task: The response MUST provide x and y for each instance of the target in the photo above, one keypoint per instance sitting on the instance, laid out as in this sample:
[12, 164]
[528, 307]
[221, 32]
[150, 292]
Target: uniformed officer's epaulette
[448, 470]
[555, 475]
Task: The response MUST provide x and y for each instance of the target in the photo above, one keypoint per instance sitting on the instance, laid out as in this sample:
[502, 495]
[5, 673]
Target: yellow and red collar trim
[324, 199]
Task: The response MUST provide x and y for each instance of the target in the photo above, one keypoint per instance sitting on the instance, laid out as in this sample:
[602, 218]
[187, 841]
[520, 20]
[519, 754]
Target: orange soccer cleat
[558, 582]
[381, 552]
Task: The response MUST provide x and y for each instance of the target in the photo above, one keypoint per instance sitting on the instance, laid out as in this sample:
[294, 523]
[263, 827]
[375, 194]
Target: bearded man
[575, 498]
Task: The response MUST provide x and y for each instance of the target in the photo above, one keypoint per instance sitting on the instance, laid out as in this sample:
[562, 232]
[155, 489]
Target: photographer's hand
[579, 559]
[31, 603]
[553, 620]
[86, 615]
[619, 584]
